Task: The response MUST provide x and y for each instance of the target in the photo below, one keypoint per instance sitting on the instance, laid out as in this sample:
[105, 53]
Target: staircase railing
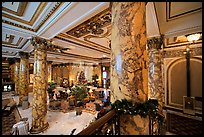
[106, 125]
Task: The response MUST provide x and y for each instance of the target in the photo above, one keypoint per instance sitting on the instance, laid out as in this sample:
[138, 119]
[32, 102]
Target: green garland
[149, 107]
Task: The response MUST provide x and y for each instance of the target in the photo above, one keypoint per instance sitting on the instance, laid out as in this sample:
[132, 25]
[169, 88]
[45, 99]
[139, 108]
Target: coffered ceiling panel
[82, 30]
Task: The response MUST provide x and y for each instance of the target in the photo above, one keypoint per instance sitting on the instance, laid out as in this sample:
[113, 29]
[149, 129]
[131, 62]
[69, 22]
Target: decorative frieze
[181, 52]
[94, 25]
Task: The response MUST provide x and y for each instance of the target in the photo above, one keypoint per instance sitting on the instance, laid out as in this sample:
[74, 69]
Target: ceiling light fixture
[193, 37]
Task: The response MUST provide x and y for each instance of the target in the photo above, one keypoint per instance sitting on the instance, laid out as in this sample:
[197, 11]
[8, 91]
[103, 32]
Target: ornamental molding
[155, 43]
[94, 25]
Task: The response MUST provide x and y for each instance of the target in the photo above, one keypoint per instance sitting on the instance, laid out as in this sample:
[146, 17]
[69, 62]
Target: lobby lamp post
[189, 102]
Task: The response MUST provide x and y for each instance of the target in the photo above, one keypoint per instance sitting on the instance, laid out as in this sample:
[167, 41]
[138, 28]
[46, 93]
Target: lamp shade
[193, 37]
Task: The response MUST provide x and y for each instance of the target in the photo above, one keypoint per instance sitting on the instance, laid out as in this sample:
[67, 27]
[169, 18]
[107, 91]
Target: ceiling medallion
[94, 25]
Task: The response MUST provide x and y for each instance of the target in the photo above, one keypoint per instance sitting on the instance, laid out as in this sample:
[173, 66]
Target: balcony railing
[106, 125]
[109, 124]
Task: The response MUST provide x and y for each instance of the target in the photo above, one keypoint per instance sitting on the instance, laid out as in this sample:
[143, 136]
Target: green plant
[51, 87]
[80, 92]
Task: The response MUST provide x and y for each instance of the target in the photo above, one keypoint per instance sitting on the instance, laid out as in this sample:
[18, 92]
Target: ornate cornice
[181, 53]
[49, 14]
[24, 54]
[155, 43]
[43, 21]
[94, 25]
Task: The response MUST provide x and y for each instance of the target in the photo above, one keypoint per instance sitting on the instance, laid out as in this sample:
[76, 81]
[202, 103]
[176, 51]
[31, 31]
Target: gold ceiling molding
[73, 56]
[94, 25]
[95, 45]
[169, 9]
[52, 11]
[10, 43]
[43, 21]
[82, 45]
[14, 45]
[19, 41]
[17, 25]
[9, 53]
[20, 10]
[105, 35]
[34, 17]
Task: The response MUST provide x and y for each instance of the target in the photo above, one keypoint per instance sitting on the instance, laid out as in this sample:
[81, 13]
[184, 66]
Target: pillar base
[38, 130]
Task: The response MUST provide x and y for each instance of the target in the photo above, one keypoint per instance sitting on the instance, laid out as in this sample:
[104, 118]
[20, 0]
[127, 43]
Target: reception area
[101, 68]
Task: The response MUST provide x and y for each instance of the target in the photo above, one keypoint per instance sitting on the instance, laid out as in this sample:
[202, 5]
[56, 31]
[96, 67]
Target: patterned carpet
[8, 121]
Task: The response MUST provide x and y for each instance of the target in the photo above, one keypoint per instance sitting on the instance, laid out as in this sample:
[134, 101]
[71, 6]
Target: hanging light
[193, 37]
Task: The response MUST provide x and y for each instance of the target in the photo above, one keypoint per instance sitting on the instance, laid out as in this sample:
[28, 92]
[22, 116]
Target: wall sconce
[193, 37]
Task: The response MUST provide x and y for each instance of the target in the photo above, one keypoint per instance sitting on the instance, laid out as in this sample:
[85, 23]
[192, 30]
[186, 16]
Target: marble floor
[59, 123]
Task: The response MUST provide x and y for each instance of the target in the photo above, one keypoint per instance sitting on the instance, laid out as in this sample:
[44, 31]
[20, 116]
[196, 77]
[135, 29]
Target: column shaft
[39, 107]
[128, 62]
[154, 69]
[49, 71]
[16, 76]
[23, 76]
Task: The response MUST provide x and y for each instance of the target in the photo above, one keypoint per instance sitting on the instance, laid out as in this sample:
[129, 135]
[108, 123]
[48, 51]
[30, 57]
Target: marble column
[155, 70]
[129, 74]
[23, 76]
[39, 107]
[16, 76]
[49, 71]
[12, 68]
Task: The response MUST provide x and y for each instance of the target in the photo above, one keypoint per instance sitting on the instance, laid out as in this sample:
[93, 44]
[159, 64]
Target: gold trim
[44, 20]
[17, 25]
[87, 38]
[98, 46]
[82, 45]
[82, 29]
[13, 45]
[19, 41]
[169, 17]
[53, 10]
[20, 10]
[7, 43]
[74, 56]
[34, 17]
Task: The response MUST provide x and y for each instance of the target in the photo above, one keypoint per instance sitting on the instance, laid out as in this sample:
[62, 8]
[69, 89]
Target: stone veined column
[39, 107]
[154, 70]
[129, 74]
[16, 76]
[49, 71]
[23, 76]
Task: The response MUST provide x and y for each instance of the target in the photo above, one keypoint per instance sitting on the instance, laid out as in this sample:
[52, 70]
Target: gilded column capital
[24, 54]
[39, 43]
[155, 43]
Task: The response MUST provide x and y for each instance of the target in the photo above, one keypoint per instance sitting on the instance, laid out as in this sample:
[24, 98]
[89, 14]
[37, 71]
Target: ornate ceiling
[82, 30]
